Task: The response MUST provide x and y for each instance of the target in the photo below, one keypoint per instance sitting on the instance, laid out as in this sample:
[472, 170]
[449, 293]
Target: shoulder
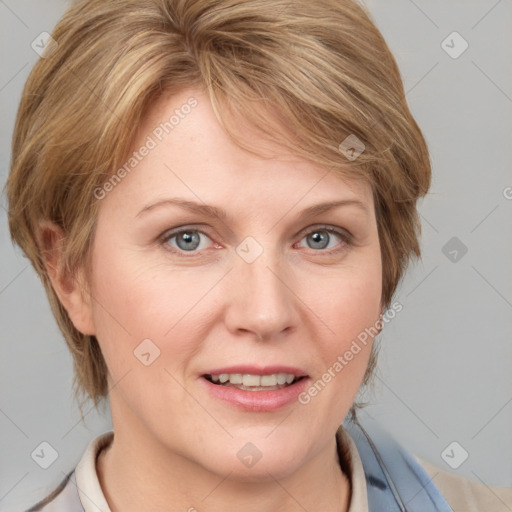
[396, 473]
[80, 486]
[465, 495]
[63, 499]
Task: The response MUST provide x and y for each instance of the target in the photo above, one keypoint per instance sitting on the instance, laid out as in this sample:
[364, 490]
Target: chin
[255, 461]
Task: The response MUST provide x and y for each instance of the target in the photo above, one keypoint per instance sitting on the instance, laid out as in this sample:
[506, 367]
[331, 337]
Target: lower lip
[257, 401]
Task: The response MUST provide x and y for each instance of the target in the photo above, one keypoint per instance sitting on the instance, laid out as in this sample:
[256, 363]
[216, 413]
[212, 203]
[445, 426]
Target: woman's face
[269, 287]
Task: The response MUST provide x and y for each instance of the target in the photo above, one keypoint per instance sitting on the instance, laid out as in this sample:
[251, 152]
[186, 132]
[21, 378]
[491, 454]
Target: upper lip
[258, 370]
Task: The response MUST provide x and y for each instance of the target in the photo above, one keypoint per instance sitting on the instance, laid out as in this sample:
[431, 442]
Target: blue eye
[187, 240]
[321, 238]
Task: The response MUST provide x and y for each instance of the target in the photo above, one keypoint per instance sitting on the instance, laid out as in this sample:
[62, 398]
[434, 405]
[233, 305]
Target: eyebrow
[221, 214]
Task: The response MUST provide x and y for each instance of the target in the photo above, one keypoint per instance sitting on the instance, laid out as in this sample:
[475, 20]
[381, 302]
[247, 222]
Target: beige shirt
[461, 494]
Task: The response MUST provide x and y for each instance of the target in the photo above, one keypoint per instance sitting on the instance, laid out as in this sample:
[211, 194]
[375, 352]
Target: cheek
[349, 308]
[350, 302]
[137, 301]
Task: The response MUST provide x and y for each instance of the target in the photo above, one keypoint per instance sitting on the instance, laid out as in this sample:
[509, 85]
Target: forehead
[180, 147]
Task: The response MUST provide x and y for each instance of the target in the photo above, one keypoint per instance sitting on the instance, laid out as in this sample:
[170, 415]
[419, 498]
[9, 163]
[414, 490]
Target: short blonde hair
[321, 66]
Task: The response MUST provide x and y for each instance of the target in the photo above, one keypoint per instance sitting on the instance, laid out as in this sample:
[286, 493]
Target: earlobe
[70, 289]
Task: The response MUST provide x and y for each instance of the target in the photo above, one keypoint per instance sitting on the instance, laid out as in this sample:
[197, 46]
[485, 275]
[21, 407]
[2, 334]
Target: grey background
[445, 360]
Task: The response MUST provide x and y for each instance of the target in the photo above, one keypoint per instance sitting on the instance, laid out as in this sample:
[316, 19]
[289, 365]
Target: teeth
[236, 378]
[254, 380]
[251, 380]
[268, 380]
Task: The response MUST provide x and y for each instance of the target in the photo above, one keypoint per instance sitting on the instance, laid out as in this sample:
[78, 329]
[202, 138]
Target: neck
[137, 475]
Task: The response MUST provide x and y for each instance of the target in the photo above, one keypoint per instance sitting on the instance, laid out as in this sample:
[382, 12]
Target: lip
[258, 370]
[256, 401]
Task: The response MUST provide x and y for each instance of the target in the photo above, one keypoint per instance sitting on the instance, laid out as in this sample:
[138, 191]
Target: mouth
[251, 382]
[251, 388]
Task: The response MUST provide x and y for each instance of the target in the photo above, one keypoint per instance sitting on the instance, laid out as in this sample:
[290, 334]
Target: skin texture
[175, 446]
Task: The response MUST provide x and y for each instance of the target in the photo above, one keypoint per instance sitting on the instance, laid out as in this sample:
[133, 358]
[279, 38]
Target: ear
[70, 289]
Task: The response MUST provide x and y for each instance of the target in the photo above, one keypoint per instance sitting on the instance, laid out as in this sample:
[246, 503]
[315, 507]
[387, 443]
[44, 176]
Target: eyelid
[342, 232]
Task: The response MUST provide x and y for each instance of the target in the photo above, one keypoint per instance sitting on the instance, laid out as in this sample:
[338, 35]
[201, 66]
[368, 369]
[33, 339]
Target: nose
[261, 300]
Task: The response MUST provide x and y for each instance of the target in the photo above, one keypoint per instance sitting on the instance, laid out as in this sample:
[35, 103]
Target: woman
[220, 199]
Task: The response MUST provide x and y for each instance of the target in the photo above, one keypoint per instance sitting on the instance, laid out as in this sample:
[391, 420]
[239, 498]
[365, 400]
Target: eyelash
[345, 236]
